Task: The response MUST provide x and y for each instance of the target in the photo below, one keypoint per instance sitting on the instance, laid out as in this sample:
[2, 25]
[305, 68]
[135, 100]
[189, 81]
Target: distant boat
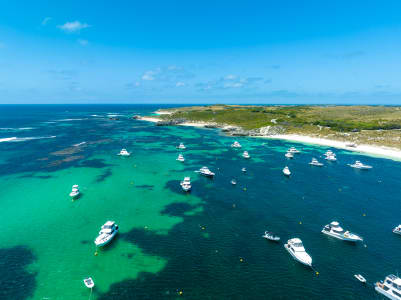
[293, 150]
[89, 282]
[180, 158]
[296, 249]
[289, 155]
[351, 145]
[233, 182]
[186, 184]
[286, 171]
[124, 152]
[243, 170]
[359, 165]
[106, 233]
[236, 145]
[331, 157]
[333, 229]
[360, 278]
[270, 236]
[205, 172]
[75, 191]
[246, 154]
[397, 230]
[181, 146]
[315, 162]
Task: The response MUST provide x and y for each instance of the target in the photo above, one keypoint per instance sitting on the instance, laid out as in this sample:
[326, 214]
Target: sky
[170, 51]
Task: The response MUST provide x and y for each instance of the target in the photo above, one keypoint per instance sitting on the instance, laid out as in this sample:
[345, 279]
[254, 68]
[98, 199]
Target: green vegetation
[370, 124]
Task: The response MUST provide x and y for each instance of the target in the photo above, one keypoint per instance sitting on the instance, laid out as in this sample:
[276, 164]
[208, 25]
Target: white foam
[23, 139]
[79, 144]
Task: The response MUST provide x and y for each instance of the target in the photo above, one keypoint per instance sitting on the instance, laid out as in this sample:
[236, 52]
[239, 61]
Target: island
[369, 129]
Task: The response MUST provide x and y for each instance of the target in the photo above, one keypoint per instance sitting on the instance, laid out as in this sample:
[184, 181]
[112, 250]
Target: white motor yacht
[360, 278]
[186, 184]
[124, 152]
[106, 233]
[331, 157]
[181, 146]
[359, 165]
[180, 158]
[236, 145]
[293, 150]
[397, 230]
[335, 230]
[328, 153]
[390, 288]
[315, 162]
[75, 191]
[89, 282]
[286, 171]
[289, 155]
[246, 154]
[296, 249]
[205, 172]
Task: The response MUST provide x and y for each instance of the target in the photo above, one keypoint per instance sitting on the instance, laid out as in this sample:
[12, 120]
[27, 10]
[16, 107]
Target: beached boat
[296, 249]
[107, 232]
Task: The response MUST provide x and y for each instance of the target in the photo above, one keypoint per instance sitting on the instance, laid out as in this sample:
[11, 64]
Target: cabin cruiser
[333, 229]
[359, 165]
[390, 288]
[233, 182]
[246, 154]
[124, 152]
[243, 170]
[331, 157]
[89, 282]
[205, 172]
[75, 191]
[180, 158]
[270, 236]
[360, 278]
[186, 184]
[181, 146]
[293, 150]
[329, 152]
[286, 171]
[315, 162]
[106, 233]
[236, 145]
[289, 155]
[397, 230]
[296, 249]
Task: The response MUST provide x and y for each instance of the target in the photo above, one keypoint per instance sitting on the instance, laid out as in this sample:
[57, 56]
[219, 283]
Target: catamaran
[106, 233]
[335, 230]
[296, 249]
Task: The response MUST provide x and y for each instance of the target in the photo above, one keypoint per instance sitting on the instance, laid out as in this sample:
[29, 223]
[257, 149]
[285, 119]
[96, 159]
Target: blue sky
[200, 51]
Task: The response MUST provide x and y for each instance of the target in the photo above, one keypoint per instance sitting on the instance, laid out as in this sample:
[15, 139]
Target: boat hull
[384, 293]
[340, 237]
[296, 258]
[106, 242]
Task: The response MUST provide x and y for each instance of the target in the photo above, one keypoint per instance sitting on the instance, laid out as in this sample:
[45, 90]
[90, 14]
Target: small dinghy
[243, 170]
[360, 278]
[233, 182]
[89, 282]
[270, 236]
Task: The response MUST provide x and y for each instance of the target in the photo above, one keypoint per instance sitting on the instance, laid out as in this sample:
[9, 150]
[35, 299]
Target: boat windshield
[298, 245]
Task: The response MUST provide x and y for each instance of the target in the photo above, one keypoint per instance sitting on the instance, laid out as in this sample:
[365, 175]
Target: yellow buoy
[317, 273]
[300, 222]
[203, 228]
[364, 215]
[241, 259]
[234, 205]
[95, 253]
[244, 189]
[180, 292]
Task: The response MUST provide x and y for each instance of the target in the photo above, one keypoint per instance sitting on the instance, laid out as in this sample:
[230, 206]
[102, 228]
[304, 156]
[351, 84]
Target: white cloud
[83, 42]
[230, 77]
[46, 20]
[71, 27]
[179, 83]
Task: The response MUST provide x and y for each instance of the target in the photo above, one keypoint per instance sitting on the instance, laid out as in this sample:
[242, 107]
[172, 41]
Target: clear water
[206, 244]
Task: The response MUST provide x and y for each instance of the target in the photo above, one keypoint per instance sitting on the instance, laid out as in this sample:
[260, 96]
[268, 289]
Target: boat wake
[16, 129]
[23, 139]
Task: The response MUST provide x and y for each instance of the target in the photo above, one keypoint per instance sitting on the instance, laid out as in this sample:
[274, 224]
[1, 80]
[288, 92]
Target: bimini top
[334, 223]
[109, 224]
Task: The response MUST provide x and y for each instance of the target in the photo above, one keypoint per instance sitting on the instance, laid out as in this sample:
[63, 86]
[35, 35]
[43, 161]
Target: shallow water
[206, 244]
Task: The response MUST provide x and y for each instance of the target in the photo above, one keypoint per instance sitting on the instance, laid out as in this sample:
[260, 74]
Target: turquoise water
[206, 244]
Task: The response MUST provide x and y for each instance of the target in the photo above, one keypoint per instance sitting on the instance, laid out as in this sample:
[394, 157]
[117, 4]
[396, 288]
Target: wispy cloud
[83, 42]
[73, 27]
[62, 74]
[170, 74]
[180, 84]
[229, 82]
[46, 20]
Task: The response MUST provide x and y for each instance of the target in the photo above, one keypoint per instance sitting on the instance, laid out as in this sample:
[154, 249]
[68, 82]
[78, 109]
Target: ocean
[206, 244]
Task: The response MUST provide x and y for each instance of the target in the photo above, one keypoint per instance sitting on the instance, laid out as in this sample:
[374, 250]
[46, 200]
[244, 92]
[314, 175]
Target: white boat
[293, 150]
[328, 153]
[286, 171]
[124, 152]
[246, 154]
[180, 158]
[89, 282]
[315, 162]
[233, 182]
[205, 172]
[360, 278]
[243, 170]
[270, 236]
[181, 146]
[289, 155]
[358, 165]
[397, 230]
[75, 191]
[186, 184]
[106, 233]
[335, 230]
[331, 157]
[390, 288]
[351, 145]
[296, 249]
[236, 145]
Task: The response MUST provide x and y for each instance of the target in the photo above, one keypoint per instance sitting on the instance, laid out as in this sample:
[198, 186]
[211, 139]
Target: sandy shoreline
[379, 151]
